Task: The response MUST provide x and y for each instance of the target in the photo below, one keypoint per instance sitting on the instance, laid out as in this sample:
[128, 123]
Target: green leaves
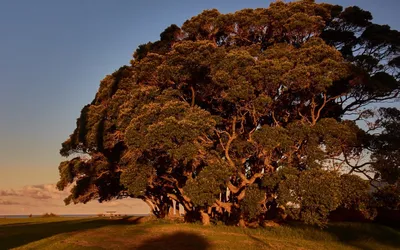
[173, 127]
[136, 178]
[253, 202]
[273, 137]
[385, 146]
[355, 193]
[311, 195]
[203, 26]
[206, 186]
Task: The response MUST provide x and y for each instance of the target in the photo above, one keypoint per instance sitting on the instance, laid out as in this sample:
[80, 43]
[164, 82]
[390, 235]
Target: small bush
[46, 215]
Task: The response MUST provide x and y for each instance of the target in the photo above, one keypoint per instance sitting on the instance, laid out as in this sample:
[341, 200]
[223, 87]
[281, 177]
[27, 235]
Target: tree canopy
[244, 116]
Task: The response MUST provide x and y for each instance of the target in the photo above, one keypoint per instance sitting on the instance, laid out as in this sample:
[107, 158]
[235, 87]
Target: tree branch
[225, 205]
[232, 187]
[228, 144]
[193, 96]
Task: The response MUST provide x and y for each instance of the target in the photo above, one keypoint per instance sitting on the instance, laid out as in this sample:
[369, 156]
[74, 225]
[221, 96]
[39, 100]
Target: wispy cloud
[10, 192]
[39, 199]
[8, 203]
[41, 192]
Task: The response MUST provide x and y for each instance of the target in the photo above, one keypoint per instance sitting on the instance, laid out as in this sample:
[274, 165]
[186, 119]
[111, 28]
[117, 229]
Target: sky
[53, 55]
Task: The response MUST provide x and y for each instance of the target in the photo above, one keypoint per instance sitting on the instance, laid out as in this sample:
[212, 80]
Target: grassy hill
[140, 233]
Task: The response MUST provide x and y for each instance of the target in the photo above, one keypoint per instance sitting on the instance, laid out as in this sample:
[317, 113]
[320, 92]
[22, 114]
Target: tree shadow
[19, 234]
[16, 224]
[359, 235]
[176, 241]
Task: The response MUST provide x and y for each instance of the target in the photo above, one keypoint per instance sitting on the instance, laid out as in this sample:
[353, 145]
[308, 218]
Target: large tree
[238, 117]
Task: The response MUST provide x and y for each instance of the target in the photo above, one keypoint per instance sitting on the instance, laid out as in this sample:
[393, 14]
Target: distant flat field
[143, 233]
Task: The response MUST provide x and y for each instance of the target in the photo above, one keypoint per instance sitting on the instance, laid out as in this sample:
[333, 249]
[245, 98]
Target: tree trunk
[170, 211]
[242, 223]
[153, 208]
[163, 211]
[192, 216]
[182, 210]
[205, 218]
[174, 206]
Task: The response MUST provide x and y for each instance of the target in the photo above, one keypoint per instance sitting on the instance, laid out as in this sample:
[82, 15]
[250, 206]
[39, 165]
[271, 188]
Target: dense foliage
[238, 115]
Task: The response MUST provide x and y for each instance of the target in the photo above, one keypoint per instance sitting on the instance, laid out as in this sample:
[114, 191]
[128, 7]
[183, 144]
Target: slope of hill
[140, 233]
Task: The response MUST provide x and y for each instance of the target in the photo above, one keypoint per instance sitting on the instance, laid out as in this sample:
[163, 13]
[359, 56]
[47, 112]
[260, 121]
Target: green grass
[136, 233]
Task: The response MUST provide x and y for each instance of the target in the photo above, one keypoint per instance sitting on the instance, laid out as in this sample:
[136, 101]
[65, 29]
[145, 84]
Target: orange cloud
[10, 192]
[7, 202]
[46, 198]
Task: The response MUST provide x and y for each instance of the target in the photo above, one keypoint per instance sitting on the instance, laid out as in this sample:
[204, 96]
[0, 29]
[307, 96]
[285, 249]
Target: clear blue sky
[54, 53]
